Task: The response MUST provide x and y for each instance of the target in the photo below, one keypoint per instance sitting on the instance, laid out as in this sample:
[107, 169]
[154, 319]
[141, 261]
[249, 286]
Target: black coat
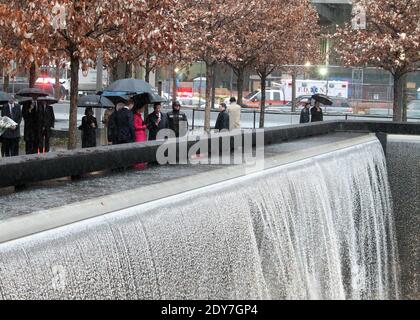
[45, 118]
[88, 132]
[16, 116]
[305, 116]
[112, 131]
[155, 128]
[222, 122]
[124, 120]
[178, 122]
[316, 116]
[30, 128]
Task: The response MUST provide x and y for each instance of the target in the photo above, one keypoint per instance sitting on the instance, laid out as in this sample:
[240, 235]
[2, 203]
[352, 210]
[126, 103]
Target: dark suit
[88, 131]
[45, 121]
[10, 138]
[124, 120]
[222, 122]
[152, 125]
[316, 115]
[30, 134]
[305, 116]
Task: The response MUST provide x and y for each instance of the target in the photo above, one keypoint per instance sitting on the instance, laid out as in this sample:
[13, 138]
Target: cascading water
[321, 228]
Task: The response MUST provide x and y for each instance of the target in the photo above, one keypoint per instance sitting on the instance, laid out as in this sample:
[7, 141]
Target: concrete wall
[403, 158]
[25, 169]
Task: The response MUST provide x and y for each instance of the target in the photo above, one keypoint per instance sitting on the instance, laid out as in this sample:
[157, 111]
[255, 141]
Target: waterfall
[320, 228]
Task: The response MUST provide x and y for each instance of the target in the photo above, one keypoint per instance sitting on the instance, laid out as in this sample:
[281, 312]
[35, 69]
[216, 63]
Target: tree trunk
[32, 75]
[404, 97]
[147, 79]
[174, 85]
[147, 71]
[262, 105]
[209, 76]
[294, 76]
[240, 85]
[57, 80]
[114, 72]
[213, 86]
[128, 73]
[74, 89]
[6, 82]
[398, 98]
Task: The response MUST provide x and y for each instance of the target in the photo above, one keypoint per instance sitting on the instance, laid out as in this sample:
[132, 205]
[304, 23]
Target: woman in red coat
[140, 129]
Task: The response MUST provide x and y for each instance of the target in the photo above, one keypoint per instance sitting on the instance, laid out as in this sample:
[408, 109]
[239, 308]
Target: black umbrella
[94, 101]
[147, 98]
[132, 87]
[5, 97]
[323, 99]
[49, 100]
[32, 92]
[22, 100]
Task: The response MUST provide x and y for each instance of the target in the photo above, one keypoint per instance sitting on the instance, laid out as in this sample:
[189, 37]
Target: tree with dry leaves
[78, 29]
[207, 27]
[290, 37]
[391, 41]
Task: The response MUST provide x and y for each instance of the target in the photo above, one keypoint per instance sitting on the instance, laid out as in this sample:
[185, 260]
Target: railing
[250, 117]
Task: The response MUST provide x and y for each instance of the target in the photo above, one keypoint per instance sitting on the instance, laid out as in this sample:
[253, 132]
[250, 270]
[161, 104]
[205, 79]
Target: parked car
[340, 106]
[288, 106]
[273, 97]
[193, 102]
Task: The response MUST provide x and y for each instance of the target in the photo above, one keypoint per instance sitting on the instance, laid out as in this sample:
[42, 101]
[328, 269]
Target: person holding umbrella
[30, 134]
[11, 137]
[45, 121]
[31, 117]
[140, 129]
[88, 128]
[316, 113]
[124, 122]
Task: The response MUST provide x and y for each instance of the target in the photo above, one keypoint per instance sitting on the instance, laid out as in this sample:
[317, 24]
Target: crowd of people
[311, 114]
[39, 120]
[124, 124]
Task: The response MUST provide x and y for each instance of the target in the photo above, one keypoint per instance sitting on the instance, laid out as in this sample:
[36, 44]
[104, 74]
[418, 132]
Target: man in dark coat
[156, 121]
[45, 121]
[316, 113]
[177, 120]
[222, 122]
[30, 134]
[11, 137]
[305, 115]
[124, 120]
[88, 127]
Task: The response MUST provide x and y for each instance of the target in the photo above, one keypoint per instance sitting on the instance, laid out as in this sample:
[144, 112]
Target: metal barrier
[253, 121]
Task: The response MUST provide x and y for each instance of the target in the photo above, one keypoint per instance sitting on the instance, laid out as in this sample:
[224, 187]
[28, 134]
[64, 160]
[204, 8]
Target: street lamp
[323, 71]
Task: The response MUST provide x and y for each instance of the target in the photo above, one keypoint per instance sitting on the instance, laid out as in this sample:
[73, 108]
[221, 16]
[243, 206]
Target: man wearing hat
[11, 137]
[177, 120]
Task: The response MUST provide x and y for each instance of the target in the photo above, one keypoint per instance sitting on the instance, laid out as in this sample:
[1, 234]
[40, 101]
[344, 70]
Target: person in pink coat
[140, 129]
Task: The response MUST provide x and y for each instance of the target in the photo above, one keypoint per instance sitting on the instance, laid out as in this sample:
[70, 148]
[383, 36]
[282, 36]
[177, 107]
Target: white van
[273, 97]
